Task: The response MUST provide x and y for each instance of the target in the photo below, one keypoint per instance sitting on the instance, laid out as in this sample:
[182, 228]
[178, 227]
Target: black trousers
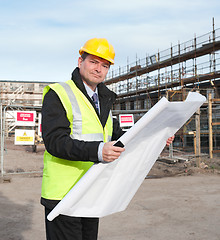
[71, 228]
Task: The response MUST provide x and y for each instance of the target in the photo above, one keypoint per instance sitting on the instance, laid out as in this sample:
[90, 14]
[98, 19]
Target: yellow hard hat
[100, 48]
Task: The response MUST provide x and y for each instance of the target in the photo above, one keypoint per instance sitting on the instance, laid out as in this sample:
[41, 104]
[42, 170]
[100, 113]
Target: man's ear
[80, 60]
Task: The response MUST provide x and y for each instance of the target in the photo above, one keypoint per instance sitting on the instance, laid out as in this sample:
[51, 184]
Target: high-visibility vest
[60, 175]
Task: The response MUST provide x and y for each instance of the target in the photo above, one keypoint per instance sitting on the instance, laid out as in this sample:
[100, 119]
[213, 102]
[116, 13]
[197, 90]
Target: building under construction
[190, 66]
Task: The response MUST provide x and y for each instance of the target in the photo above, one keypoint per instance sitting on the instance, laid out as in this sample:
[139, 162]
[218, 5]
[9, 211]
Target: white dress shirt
[90, 93]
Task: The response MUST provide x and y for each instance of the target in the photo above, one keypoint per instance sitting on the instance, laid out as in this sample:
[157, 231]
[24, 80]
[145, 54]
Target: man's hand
[170, 140]
[110, 152]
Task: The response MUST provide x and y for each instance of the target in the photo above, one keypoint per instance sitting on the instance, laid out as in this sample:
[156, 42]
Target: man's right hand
[110, 152]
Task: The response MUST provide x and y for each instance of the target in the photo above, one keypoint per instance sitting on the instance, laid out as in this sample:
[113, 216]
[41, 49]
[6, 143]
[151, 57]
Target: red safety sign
[126, 120]
[25, 118]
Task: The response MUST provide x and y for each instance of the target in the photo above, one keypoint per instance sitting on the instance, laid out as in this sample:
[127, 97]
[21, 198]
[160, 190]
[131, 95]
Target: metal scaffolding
[194, 63]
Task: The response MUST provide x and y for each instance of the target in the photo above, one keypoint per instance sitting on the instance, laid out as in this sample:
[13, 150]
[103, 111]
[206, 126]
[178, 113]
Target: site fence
[22, 158]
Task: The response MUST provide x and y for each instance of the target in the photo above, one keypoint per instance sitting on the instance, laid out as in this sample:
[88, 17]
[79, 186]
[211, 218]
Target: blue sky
[40, 39]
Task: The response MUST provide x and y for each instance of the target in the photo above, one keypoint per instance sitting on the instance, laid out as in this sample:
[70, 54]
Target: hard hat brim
[82, 50]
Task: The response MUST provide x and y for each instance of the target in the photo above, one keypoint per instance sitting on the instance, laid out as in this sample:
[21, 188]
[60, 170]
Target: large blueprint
[108, 188]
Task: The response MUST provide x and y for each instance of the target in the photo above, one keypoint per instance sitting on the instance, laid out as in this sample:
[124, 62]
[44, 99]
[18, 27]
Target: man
[78, 131]
[74, 132]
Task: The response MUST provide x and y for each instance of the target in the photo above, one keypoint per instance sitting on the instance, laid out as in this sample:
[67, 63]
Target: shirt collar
[89, 90]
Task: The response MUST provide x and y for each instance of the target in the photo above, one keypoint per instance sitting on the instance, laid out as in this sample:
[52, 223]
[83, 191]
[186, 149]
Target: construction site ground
[177, 200]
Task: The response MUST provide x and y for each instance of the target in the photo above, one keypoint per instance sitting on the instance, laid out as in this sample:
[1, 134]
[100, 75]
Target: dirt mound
[164, 167]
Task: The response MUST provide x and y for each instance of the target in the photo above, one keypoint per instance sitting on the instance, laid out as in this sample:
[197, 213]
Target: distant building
[21, 93]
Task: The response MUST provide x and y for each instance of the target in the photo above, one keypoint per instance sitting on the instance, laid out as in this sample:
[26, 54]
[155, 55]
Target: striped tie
[95, 100]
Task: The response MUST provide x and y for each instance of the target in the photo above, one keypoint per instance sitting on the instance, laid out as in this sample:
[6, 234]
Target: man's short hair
[84, 55]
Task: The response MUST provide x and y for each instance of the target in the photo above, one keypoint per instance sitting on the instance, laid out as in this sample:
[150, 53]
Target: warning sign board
[126, 120]
[25, 118]
[24, 137]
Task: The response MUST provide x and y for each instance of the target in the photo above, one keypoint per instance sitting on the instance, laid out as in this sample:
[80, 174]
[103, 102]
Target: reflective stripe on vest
[60, 175]
[76, 132]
